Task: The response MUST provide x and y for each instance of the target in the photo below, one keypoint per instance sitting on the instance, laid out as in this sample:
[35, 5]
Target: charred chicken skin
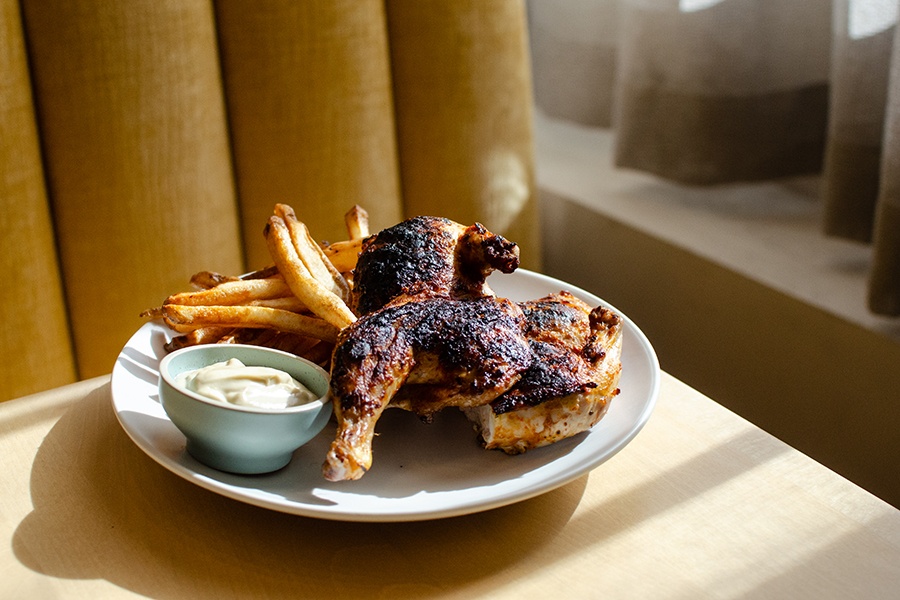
[443, 352]
[567, 389]
[430, 335]
[428, 256]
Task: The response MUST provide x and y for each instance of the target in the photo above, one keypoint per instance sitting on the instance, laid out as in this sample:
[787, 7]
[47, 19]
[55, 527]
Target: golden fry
[343, 255]
[203, 335]
[152, 313]
[205, 280]
[264, 273]
[307, 288]
[186, 318]
[357, 221]
[234, 292]
[291, 303]
[311, 254]
[298, 304]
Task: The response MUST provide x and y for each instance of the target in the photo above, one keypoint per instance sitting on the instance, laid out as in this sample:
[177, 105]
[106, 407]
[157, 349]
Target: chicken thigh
[430, 335]
[573, 376]
[440, 352]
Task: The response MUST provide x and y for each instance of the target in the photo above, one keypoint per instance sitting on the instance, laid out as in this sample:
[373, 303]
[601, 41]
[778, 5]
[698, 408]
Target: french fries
[312, 292]
[234, 292]
[205, 280]
[201, 335]
[180, 317]
[310, 253]
[357, 221]
[210, 279]
[297, 304]
[343, 255]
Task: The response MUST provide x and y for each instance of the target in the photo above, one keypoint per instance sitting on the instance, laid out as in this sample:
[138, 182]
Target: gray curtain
[713, 91]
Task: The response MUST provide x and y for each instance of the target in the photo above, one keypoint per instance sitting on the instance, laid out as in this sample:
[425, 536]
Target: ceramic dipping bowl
[235, 438]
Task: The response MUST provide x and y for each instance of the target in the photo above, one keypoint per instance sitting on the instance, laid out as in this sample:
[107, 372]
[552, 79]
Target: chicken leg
[443, 352]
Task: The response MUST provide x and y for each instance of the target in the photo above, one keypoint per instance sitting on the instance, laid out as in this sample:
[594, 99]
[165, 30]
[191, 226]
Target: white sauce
[232, 382]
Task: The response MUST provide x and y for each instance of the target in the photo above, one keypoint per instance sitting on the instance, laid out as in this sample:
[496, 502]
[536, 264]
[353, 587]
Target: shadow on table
[104, 510]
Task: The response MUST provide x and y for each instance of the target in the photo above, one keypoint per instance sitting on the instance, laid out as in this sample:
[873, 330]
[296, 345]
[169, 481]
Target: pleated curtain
[707, 92]
[34, 331]
[146, 140]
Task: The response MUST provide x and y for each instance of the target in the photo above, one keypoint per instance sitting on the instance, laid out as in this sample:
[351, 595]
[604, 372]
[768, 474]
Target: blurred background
[724, 172]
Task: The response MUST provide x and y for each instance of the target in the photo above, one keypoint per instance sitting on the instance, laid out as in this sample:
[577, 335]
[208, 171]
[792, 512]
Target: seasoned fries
[298, 304]
[343, 255]
[357, 221]
[205, 280]
[234, 292]
[202, 335]
[311, 254]
[191, 317]
[312, 292]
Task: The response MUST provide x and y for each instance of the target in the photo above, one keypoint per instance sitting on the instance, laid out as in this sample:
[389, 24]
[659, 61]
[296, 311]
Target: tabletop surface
[701, 504]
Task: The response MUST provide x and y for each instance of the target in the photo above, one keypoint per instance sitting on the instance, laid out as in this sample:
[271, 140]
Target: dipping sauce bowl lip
[316, 404]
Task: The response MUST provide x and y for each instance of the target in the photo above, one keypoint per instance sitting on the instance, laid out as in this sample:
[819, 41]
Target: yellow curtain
[137, 158]
[462, 89]
[34, 336]
[146, 140]
[308, 90]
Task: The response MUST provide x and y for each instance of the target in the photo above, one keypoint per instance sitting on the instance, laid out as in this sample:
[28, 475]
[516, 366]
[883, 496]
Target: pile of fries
[298, 304]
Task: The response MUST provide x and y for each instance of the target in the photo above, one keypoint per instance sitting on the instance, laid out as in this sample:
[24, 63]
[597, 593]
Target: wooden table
[701, 504]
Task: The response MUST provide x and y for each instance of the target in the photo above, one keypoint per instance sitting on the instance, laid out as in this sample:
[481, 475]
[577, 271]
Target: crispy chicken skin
[443, 352]
[430, 335]
[573, 376]
[428, 256]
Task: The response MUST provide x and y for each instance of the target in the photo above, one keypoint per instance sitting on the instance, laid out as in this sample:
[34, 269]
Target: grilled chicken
[428, 256]
[443, 352]
[574, 375]
[430, 335]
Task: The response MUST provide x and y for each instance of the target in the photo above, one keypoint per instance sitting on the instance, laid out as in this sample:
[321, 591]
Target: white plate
[420, 471]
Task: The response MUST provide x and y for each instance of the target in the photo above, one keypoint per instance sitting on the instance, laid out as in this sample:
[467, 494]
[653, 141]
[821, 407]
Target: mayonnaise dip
[232, 382]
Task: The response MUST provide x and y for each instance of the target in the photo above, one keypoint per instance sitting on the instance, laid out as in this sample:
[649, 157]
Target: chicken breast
[573, 377]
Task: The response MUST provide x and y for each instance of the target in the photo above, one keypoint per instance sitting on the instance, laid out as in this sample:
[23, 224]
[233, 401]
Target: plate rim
[555, 480]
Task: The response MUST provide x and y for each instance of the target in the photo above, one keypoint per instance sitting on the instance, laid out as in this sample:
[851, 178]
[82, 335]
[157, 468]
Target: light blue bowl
[242, 439]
